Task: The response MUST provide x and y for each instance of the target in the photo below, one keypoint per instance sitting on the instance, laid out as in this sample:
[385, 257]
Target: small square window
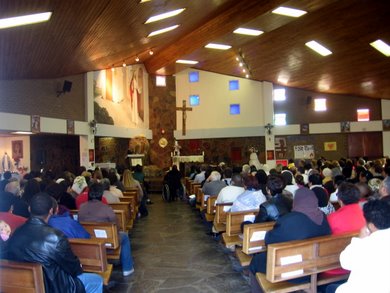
[161, 80]
[194, 100]
[235, 109]
[279, 94]
[319, 105]
[280, 119]
[193, 76]
[363, 115]
[234, 85]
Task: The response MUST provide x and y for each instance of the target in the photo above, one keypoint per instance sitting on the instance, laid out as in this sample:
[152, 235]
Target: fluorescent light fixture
[164, 30]
[161, 80]
[22, 132]
[319, 105]
[317, 47]
[279, 94]
[248, 31]
[182, 61]
[292, 12]
[164, 15]
[280, 119]
[382, 47]
[363, 114]
[218, 46]
[24, 20]
[143, 1]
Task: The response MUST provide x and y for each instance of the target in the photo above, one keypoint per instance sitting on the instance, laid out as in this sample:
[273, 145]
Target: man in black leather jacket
[278, 205]
[37, 242]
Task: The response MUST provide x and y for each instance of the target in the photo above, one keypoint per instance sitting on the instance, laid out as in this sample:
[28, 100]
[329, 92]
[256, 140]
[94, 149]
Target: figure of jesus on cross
[184, 110]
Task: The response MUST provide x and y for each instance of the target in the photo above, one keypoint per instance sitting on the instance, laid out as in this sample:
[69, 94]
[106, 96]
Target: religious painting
[17, 150]
[345, 126]
[70, 126]
[330, 146]
[35, 124]
[120, 96]
[305, 128]
[280, 147]
[386, 125]
[270, 155]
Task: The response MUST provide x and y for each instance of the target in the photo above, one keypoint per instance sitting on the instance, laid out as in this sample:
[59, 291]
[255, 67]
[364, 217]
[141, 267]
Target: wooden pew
[132, 200]
[21, 277]
[294, 259]
[124, 206]
[120, 218]
[210, 208]
[253, 241]
[93, 257]
[188, 185]
[199, 194]
[221, 210]
[106, 232]
[193, 186]
[233, 226]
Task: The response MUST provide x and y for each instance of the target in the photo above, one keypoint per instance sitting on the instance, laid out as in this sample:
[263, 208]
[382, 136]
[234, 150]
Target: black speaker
[67, 86]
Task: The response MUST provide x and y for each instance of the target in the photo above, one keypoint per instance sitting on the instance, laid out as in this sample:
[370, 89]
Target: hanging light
[136, 59]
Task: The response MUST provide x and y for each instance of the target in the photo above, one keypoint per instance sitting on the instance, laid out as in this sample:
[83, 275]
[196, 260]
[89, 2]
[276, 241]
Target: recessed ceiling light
[164, 30]
[143, 1]
[218, 46]
[289, 11]
[317, 47]
[182, 61]
[382, 47]
[164, 15]
[22, 132]
[24, 20]
[248, 31]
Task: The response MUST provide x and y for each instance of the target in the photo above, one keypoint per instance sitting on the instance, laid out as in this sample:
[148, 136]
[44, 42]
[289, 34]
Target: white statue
[176, 149]
[254, 159]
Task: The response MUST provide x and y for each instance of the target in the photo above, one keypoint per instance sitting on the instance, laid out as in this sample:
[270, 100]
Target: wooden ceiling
[91, 35]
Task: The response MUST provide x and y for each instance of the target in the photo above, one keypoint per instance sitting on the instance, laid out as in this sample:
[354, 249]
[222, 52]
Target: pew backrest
[210, 205]
[21, 277]
[234, 220]
[221, 210]
[253, 237]
[294, 259]
[107, 232]
[91, 253]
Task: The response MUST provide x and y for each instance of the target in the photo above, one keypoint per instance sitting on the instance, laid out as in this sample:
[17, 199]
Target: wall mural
[119, 96]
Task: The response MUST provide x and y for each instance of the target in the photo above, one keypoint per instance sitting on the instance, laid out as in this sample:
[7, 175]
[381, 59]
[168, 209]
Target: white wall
[212, 116]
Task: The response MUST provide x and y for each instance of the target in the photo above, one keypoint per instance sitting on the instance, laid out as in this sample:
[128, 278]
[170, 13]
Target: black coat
[292, 226]
[37, 242]
[274, 208]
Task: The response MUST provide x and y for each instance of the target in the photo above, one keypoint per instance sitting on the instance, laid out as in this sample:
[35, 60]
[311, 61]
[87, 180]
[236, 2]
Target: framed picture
[345, 126]
[35, 124]
[91, 155]
[70, 126]
[17, 149]
[386, 125]
[270, 155]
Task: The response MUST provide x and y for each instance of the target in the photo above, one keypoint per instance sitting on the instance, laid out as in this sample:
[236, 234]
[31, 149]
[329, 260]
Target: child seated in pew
[96, 211]
[304, 221]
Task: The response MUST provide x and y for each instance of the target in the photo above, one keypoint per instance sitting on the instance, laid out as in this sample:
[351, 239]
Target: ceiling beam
[239, 13]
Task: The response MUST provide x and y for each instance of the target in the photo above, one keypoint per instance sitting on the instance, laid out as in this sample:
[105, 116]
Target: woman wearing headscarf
[304, 221]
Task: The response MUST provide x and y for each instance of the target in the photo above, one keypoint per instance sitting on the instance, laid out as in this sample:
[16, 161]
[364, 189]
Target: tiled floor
[172, 253]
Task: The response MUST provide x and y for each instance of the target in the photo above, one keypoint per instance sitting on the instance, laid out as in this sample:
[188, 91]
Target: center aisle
[172, 253]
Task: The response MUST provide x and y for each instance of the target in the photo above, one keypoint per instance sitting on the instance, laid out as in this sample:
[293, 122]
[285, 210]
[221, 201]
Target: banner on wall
[280, 147]
[330, 146]
[304, 152]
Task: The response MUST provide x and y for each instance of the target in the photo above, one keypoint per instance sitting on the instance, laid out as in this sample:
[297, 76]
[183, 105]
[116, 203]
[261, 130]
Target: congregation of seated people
[36, 221]
[309, 199]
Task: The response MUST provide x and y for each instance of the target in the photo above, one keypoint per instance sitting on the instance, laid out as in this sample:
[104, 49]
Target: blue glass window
[235, 109]
[193, 76]
[194, 100]
[234, 85]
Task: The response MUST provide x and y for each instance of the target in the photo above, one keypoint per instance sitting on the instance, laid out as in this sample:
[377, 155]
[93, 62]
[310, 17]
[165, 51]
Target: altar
[180, 161]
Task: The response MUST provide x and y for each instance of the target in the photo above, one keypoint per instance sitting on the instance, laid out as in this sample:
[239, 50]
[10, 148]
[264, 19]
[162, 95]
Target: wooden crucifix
[184, 110]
